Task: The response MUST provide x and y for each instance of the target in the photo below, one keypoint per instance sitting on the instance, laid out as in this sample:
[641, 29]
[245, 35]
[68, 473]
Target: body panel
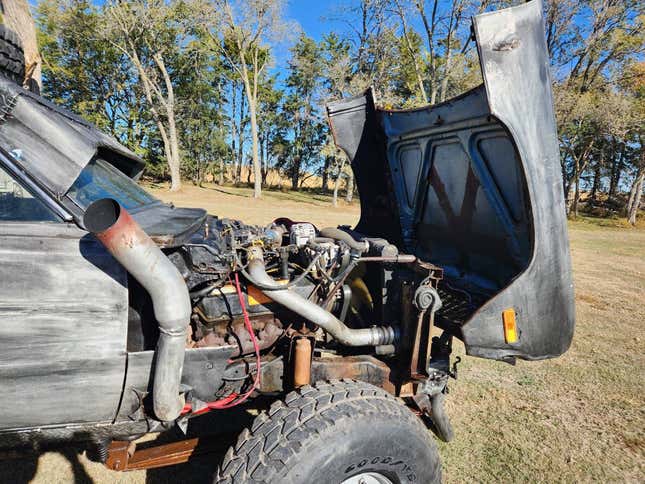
[63, 307]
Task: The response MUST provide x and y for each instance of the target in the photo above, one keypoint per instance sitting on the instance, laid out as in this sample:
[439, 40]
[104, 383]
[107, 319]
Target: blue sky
[309, 14]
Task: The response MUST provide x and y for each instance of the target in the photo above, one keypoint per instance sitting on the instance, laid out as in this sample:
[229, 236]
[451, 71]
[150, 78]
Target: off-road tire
[12, 57]
[329, 432]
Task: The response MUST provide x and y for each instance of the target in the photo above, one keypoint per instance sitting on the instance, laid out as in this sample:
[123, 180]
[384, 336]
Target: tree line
[200, 88]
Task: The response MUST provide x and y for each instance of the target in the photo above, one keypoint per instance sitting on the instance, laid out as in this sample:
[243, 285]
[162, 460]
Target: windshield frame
[105, 164]
[24, 178]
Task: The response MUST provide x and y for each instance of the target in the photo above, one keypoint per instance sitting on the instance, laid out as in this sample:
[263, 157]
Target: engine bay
[326, 267]
[351, 304]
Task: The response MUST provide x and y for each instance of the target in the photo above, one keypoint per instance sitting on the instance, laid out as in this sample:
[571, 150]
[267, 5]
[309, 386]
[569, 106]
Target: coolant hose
[142, 258]
[374, 336]
[360, 246]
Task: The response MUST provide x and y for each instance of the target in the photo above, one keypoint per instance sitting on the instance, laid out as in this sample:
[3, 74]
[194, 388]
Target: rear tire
[331, 433]
[12, 56]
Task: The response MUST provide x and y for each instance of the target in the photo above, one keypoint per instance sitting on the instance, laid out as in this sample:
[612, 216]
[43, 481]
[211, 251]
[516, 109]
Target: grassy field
[580, 417]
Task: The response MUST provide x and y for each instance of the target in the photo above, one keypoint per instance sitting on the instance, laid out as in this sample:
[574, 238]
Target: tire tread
[269, 448]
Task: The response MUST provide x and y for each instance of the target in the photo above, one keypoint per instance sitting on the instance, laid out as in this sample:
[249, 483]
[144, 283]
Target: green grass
[590, 222]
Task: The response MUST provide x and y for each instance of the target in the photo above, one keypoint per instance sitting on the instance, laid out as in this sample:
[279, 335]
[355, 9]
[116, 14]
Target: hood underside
[474, 185]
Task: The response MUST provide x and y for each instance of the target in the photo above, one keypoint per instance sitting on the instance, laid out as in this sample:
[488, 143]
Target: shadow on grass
[218, 432]
[23, 469]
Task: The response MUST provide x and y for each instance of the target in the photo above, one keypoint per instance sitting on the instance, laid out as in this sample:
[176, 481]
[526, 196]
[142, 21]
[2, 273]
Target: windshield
[99, 179]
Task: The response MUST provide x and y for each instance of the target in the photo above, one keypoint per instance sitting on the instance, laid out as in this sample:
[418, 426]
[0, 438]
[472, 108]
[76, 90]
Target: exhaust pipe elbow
[142, 258]
[374, 336]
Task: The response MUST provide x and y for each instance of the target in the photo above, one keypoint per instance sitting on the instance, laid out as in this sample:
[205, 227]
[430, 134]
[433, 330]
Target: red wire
[232, 399]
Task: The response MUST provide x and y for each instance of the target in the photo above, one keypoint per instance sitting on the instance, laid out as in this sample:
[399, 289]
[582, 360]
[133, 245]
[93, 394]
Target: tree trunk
[429, 26]
[17, 17]
[167, 143]
[220, 177]
[325, 174]
[234, 130]
[257, 169]
[337, 182]
[634, 203]
[596, 182]
[240, 141]
[567, 196]
[349, 196]
[576, 197]
[174, 162]
[295, 173]
[616, 172]
[408, 43]
[173, 138]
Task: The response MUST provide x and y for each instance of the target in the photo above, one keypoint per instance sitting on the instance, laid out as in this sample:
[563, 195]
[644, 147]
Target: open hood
[474, 185]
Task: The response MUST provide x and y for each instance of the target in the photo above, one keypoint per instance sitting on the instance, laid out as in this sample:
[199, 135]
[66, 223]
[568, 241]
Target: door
[63, 317]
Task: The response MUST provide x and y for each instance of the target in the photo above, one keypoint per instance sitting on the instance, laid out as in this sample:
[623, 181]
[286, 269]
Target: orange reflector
[510, 328]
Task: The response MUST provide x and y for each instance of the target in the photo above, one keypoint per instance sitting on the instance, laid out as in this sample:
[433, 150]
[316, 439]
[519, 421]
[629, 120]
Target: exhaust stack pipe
[142, 258]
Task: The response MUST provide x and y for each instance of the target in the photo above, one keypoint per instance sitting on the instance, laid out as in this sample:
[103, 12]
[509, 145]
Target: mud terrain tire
[12, 57]
[330, 432]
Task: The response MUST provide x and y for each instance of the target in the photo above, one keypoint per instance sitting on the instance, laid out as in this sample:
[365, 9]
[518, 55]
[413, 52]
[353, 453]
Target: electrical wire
[234, 398]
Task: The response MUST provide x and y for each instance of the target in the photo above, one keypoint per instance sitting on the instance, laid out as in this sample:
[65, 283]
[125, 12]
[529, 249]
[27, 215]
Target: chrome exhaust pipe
[142, 258]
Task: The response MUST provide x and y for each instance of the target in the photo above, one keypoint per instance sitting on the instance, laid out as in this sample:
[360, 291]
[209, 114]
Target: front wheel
[343, 432]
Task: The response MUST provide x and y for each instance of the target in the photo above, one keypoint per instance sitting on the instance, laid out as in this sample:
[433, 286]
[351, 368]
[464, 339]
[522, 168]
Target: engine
[320, 267]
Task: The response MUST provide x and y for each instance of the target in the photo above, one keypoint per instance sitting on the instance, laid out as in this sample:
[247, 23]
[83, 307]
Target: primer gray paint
[63, 326]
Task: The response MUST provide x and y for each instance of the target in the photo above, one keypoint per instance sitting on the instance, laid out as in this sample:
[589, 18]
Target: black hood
[473, 185]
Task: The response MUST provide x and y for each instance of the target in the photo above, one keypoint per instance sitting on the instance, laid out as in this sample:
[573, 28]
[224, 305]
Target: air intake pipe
[142, 258]
[374, 336]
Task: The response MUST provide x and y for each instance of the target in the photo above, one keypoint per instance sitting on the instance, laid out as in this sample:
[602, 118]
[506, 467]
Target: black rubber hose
[360, 246]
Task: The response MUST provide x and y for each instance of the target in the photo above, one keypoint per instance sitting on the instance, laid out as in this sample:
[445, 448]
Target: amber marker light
[510, 327]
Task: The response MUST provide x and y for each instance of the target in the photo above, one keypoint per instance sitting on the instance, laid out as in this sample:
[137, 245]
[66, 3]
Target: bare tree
[17, 17]
[242, 32]
[144, 31]
[636, 192]
[418, 70]
[430, 24]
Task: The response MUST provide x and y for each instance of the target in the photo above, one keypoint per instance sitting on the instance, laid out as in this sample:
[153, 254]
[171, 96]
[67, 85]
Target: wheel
[342, 432]
[12, 57]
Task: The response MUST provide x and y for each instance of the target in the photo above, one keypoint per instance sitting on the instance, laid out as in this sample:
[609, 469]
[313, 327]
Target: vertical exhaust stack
[142, 258]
